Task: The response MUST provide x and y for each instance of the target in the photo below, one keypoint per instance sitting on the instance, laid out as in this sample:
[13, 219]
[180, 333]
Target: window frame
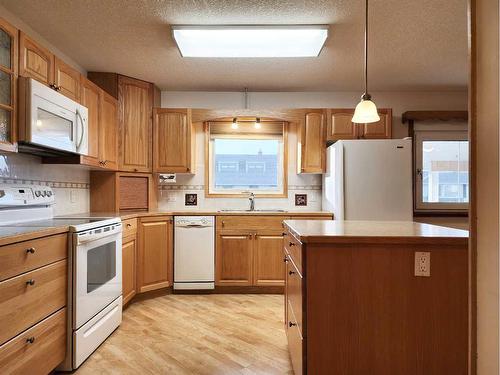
[435, 133]
[212, 193]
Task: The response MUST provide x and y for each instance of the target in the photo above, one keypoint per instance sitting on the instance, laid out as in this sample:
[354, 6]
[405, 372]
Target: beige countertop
[133, 214]
[12, 234]
[337, 231]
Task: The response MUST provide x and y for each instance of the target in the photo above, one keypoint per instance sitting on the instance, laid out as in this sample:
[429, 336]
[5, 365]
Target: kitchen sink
[236, 210]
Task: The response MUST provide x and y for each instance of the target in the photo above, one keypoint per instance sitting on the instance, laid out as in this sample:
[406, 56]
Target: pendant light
[366, 110]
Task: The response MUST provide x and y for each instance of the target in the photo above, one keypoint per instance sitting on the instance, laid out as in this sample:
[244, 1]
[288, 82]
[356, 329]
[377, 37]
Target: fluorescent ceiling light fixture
[250, 41]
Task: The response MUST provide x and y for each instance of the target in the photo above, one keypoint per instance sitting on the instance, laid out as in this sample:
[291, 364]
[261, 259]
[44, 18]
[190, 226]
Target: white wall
[398, 101]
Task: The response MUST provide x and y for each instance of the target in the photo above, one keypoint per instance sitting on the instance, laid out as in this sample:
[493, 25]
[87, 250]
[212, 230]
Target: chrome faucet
[251, 198]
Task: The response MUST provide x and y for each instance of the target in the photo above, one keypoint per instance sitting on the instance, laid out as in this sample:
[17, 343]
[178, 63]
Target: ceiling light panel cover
[250, 41]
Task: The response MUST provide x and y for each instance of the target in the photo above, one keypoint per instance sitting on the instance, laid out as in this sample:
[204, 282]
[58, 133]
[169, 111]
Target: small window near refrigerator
[441, 170]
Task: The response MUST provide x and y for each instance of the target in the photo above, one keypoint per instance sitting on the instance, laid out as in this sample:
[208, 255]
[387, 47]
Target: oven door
[97, 276]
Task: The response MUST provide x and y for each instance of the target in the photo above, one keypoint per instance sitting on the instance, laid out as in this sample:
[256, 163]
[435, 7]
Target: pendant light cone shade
[366, 110]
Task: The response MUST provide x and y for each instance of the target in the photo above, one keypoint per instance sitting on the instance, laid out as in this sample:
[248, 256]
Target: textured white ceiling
[414, 45]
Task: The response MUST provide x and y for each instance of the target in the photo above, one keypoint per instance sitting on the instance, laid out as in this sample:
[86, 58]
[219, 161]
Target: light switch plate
[422, 264]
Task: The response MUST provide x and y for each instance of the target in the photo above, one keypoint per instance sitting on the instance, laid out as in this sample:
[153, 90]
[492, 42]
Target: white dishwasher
[194, 252]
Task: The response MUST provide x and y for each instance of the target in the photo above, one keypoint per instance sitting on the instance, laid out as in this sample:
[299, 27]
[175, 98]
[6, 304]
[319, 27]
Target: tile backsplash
[69, 183]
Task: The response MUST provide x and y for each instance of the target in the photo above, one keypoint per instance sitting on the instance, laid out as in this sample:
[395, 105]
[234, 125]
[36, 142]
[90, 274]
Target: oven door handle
[78, 115]
[99, 236]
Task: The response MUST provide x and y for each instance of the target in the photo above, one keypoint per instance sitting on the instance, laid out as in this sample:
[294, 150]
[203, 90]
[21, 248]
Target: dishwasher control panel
[192, 221]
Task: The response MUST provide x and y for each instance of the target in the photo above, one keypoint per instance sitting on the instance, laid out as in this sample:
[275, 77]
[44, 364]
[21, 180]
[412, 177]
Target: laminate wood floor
[197, 334]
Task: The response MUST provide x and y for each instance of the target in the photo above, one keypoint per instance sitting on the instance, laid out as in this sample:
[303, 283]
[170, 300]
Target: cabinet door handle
[291, 244]
[30, 340]
[291, 272]
[223, 223]
[30, 250]
[291, 324]
[30, 282]
[129, 225]
[249, 236]
[285, 259]
[283, 234]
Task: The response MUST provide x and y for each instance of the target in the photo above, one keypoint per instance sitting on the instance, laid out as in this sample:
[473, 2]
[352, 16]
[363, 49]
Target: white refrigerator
[369, 180]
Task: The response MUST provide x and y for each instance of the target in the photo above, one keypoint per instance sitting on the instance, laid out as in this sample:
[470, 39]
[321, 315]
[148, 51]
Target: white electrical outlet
[422, 264]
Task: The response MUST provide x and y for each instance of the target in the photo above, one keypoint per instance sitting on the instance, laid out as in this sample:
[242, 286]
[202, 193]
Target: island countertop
[340, 231]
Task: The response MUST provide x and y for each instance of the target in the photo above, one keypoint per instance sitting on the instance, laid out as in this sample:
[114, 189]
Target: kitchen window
[441, 170]
[245, 158]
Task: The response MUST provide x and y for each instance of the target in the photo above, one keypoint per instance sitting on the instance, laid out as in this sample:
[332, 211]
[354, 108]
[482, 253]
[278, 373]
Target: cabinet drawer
[295, 344]
[129, 227]
[43, 354]
[294, 249]
[27, 255]
[249, 223]
[294, 293]
[22, 304]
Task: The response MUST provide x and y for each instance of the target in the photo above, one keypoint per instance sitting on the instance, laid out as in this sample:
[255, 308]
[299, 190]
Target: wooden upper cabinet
[380, 129]
[311, 136]
[173, 141]
[35, 61]
[8, 85]
[66, 80]
[340, 125]
[155, 253]
[90, 97]
[108, 131]
[135, 101]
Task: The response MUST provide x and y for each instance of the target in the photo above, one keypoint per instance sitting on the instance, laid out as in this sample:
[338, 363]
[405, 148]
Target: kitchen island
[376, 298]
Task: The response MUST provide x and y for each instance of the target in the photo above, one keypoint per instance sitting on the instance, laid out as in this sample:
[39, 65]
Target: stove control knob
[49, 193]
[43, 193]
[37, 193]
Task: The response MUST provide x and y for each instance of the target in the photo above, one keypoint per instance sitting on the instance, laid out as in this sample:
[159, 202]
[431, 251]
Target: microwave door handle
[83, 129]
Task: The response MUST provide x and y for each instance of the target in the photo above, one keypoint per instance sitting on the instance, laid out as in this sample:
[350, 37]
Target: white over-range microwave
[49, 122]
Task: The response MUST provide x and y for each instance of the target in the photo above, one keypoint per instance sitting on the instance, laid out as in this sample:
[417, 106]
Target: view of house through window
[445, 171]
[246, 162]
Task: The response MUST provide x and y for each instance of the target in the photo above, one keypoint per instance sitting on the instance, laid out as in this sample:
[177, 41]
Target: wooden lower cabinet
[234, 259]
[268, 260]
[155, 253]
[38, 350]
[129, 275]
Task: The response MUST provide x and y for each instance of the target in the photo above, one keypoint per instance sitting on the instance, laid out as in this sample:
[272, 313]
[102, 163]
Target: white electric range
[95, 265]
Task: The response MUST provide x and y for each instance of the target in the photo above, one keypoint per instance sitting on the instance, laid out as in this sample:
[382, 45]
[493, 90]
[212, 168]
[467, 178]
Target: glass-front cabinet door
[8, 77]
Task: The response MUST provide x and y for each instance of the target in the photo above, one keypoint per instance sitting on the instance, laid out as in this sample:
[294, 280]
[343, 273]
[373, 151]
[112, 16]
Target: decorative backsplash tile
[301, 199]
[52, 184]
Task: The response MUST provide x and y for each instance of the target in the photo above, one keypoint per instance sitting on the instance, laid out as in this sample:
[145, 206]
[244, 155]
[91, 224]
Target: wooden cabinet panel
[173, 141]
[108, 131]
[155, 253]
[234, 259]
[35, 61]
[311, 151]
[269, 267]
[251, 224]
[381, 129]
[294, 249]
[129, 227]
[66, 79]
[294, 292]
[25, 256]
[38, 350]
[129, 250]
[8, 86]
[89, 97]
[295, 343]
[340, 125]
[30, 297]
[135, 102]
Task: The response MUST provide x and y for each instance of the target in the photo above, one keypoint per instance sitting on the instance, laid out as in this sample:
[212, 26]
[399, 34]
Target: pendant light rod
[366, 47]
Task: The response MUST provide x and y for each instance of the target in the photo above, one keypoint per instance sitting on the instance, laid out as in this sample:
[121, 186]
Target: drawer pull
[30, 282]
[30, 340]
[283, 234]
[30, 250]
[285, 259]
[291, 244]
[129, 225]
[291, 324]
[291, 272]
